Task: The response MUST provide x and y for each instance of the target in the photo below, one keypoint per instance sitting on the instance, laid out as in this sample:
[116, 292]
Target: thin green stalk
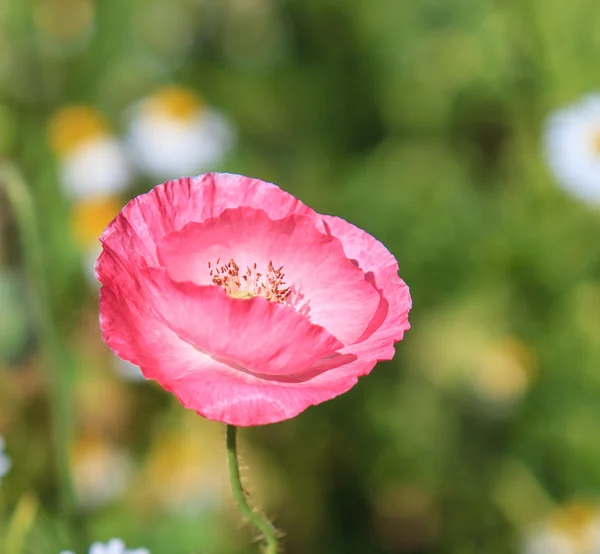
[261, 523]
[21, 203]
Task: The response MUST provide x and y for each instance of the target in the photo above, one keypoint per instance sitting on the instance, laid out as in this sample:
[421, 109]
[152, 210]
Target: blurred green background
[420, 121]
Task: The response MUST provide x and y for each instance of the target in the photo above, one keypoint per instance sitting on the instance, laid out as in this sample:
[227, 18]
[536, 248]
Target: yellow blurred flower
[103, 405]
[571, 529]
[101, 470]
[91, 216]
[91, 160]
[62, 33]
[174, 102]
[74, 125]
[468, 348]
[185, 473]
[505, 371]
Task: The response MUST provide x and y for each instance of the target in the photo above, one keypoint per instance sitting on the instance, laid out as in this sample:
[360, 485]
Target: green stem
[261, 523]
[21, 202]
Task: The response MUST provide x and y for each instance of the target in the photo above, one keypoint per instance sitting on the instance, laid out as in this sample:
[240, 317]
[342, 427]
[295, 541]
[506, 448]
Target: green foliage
[417, 120]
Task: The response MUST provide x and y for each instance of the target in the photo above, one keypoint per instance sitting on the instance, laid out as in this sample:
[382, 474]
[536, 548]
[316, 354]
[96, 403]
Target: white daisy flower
[467, 350]
[113, 546]
[571, 529]
[96, 167]
[88, 263]
[5, 461]
[127, 370]
[505, 371]
[572, 146]
[173, 133]
[184, 473]
[92, 162]
[101, 471]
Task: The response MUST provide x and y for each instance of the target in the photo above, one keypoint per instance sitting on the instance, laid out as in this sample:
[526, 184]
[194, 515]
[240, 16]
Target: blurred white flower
[5, 461]
[571, 529]
[173, 133]
[96, 167]
[101, 471]
[88, 262]
[546, 541]
[504, 374]
[184, 473]
[92, 161]
[572, 147]
[113, 546]
[127, 370]
[466, 349]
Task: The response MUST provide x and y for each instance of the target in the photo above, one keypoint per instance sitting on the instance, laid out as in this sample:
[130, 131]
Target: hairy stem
[261, 523]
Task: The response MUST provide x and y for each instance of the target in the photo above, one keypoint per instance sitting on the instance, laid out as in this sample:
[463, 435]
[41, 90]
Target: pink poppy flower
[243, 302]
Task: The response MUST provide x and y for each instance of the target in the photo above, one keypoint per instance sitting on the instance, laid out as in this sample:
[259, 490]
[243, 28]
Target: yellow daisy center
[596, 142]
[91, 216]
[73, 126]
[574, 520]
[176, 102]
[251, 283]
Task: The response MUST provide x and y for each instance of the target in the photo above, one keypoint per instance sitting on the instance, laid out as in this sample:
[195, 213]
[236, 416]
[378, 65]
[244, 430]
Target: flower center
[251, 283]
[574, 520]
[75, 125]
[596, 142]
[176, 102]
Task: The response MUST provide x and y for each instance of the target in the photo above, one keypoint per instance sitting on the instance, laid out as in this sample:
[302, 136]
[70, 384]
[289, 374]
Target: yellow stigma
[176, 102]
[251, 283]
[243, 294]
[73, 126]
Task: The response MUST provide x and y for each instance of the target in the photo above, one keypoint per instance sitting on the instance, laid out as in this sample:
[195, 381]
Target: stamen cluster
[251, 283]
